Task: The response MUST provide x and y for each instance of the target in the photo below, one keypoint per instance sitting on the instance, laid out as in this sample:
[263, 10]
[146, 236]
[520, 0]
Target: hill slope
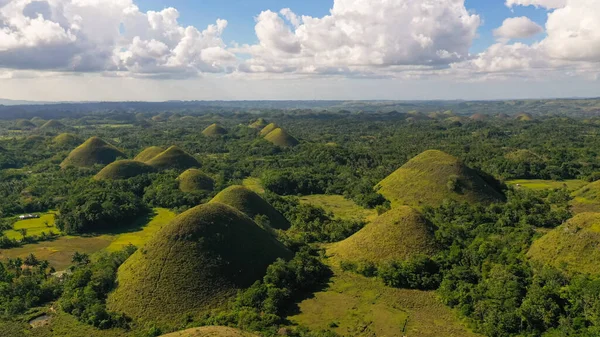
[92, 151]
[194, 180]
[66, 139]
[281, 138]
[251, 204]
[265, 131]
[573, 245]
[214, 130]
[259, 124]
[53, 125]
[149, 153]
[194, 264]
[211, 331]
[587, 198]
[123, 169]
[25, 124]
[432, 177]
[398, 234]
[173, 158]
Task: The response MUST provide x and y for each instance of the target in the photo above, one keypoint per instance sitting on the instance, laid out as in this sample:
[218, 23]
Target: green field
[537, 184]
[354, 305]
[137, 238]
[340, 207]
[33, 226]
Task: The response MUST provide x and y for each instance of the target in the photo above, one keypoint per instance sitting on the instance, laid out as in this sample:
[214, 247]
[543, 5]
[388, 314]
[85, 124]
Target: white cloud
[549, 4]
[517, 28]
[106, 36]
[363, 33]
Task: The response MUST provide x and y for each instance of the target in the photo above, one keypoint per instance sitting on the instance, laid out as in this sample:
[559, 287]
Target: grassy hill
[587, 198]
[53, 125]
[214, 130]
[398, 234]
[281, 138]
[573, 246]
[478, 117]
[93, 151]
[251, 204]
[123, 169]
[432, 177]
[193, 264]
[173, 158]
[194, 180]
[259, 124]
[66, 139]
[265, 131]
[341, 207]
[25, 124]
[524, 117]
[211, 331]
[149, 153]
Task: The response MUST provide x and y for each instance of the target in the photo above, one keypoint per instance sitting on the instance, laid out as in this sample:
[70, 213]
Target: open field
[354, 305]
[537, 184]
[140, 237]
[33, 226]
[340, 206]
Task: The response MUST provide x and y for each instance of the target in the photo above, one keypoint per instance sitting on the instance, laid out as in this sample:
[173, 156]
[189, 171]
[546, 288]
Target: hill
[23, 124]
[478, 117]
[267, 129]
[194, 180]
[259, 124]
[149, 153]
[251, 204]
[572, 246]
[214, 130]
[194, 264]
[524, 117]
[123, 169]
[66, 139]
[93, 151]
[53, 125]
[211, 331]
[173, 158]
[432, 177]
[281, 138]
[398, 234]
[587, 198]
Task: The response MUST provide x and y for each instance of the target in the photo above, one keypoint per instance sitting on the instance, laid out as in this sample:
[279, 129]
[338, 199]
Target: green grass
[353, 305]
[211, 331]
[33, 226]
[149, 153]
[537, 184]
[195, 263]
[139, 238]
[251, 204]
[254, 184]
[259, 124]
[587, 198]
[92, 151]
[194, 180]
[173, 158]
[341, 207]
[53, 125]
[572, 246]
[398, 234]
[281, 138]
[214, 130]
[123, 169]
[267, 129]
[66, 139]
[427, 180]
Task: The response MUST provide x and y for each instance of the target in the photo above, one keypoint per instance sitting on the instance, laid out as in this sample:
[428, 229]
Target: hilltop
[259, 124]
[194, 264]
[25, 124]
[267, 129]
[251, 204]
[194, 180]
[123, 169]
[398, 234]
[587, 198]
[149, 153]
[214, 130]
[93, 151]
[53, 125]
[524, 117]
[572, 246]
[173, 158]
[281, 138]
[66, 139]
[211, 331]
[432, 177]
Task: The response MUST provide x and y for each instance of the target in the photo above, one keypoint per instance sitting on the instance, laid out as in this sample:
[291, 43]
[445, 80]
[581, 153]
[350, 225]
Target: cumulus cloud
[360, 34]
[517, 28]
[549, 4]
[106, 36]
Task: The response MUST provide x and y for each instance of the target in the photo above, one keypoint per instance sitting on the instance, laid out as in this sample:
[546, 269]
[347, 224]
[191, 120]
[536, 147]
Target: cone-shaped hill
[194, 180]
[267, 129]
[259, 124]
[66, 139]
[211, 331]
[214, 130]
[251, 204]
[93, 151]
[573, 245]
[123, 169]
[194, 264]
[23, 124]
[524, 117]
[173, 158]
[53, 125]
[281, 138]
[398, 234]
[587, 198]
[149, 153]
[433, 176]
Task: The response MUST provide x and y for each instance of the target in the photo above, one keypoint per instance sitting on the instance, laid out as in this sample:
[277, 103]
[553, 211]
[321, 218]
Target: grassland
[194, 180]
[340, 207]
[173, 158]
[281, 138]
[92, 151]
[211, 331]
[33, 226]
[254, 184]
[353, 305]
[123, 169]
[214, 130]
[138, 238]
[149, 153]
[537, 184]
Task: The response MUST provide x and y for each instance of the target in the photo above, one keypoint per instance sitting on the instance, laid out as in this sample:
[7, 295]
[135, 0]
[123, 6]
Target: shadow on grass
[132, 226]
[294, 308]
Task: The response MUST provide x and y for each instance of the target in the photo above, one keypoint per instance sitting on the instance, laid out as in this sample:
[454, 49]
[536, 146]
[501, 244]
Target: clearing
[33, 226]
[537, 184]
[340, 207]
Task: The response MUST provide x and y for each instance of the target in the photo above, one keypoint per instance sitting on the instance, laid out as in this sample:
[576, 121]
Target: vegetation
[66, 140]
[267, 129]
[194, 180]
[259, 124]
[53, 125]
[587, 199]
[123, 169]
[173, 158]
[148, 153]
[93, 151]
[211, 331]
[214, 130]
[281, 138]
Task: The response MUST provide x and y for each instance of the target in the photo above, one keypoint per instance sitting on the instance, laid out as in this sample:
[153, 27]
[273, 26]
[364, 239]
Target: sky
[156, 50]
